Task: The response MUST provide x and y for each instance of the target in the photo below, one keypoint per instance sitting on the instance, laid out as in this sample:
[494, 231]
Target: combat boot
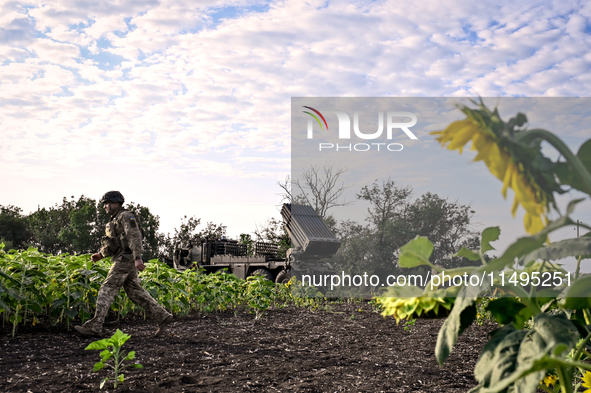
[88, 332]
[163, 326]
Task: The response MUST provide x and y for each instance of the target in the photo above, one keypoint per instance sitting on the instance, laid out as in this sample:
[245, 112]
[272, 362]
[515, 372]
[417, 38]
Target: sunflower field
[41, 288]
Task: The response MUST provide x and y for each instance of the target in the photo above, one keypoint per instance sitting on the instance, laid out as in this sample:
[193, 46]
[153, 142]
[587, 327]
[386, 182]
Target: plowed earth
[345, 348]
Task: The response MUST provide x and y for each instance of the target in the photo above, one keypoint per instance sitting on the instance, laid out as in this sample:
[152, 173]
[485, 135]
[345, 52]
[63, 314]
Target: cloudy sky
[184, 106]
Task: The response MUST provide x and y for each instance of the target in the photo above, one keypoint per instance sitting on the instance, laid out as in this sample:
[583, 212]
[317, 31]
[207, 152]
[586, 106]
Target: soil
[345, 347]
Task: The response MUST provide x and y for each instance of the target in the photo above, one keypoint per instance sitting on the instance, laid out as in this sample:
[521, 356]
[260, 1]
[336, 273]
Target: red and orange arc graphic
[319, 114]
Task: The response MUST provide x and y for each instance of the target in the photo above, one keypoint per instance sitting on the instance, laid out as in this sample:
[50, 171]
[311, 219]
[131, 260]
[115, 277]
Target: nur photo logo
[392, 120]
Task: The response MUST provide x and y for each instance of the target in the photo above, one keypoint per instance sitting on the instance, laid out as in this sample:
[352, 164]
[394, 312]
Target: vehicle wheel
[177, 266]
[263, 273]
[283, 278]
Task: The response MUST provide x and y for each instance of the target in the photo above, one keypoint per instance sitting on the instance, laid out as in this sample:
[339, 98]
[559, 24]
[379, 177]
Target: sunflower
[587, 381]
[505, 158]
[550, 380]
[412, 302]
[408, 308]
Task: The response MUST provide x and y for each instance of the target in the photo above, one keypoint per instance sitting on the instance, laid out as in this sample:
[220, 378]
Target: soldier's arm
[105, 250]
[133, 234]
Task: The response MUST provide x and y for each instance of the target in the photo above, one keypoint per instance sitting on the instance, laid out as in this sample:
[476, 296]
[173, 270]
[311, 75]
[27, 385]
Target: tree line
[393, 218]
[77, 226]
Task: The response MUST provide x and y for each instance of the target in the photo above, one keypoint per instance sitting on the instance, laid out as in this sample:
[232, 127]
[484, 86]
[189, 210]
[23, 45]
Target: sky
[184, 106]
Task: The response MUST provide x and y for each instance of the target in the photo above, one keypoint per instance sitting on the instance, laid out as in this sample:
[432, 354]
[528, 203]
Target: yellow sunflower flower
[550, 380]
[409, 302]
[587, 381]
[415, 307]
[500, 163]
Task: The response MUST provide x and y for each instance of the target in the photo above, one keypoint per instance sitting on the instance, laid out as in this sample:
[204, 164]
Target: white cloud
[107, 25]
[54, 52]
[169, 77]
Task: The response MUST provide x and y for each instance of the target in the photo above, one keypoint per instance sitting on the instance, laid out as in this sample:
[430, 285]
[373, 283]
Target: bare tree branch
[321, 188]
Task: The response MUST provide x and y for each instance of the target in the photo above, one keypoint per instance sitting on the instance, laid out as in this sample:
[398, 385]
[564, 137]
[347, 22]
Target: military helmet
[112, 196]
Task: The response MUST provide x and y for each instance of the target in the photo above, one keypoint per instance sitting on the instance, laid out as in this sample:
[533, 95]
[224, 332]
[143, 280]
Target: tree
[387, 205]
[446, 224]
[14, 228]
[356, 252]
[274, 231]
[320, 188]
[373, 247]
[187, 233]
[77, 226]
[393, 220]
[71, 227]
[83, 231]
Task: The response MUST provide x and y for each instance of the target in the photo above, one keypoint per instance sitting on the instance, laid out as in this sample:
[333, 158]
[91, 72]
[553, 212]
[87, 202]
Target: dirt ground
[345, 348]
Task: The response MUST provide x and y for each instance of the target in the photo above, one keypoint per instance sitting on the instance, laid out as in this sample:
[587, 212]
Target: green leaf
[557, 331]
[516, 360]
[462, 315]
[530, 366]
[130, 356]
[9, 278]
[545, 296]
[558, 250]
[584, 154]
[579, 324]
[489, 235]
[416, 252]
[98, 366]
[35, 307]
[509, 310]
[521, 247]
[137, 365]
[106, 355]
[121, 377]
[466, 253]
[579, 294]
[565, 173]
[99, 344]
[498, 356]
[119, 338]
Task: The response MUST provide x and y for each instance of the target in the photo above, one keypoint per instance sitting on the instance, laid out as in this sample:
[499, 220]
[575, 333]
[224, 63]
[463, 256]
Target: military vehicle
[312, 242]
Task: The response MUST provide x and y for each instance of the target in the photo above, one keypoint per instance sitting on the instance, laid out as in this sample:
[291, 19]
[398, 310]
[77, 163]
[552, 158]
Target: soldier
[124, 244]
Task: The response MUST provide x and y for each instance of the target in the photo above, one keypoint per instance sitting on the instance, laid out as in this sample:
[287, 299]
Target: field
[251, 335]
[340, 347]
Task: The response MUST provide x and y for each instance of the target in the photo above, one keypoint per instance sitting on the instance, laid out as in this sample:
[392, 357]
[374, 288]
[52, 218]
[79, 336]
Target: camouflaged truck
[312, 242]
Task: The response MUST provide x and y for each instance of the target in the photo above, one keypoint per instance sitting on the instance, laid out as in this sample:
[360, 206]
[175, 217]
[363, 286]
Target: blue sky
[185, 106]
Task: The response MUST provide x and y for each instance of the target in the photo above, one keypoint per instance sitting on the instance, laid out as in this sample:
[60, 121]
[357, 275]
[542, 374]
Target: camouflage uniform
[124, 244]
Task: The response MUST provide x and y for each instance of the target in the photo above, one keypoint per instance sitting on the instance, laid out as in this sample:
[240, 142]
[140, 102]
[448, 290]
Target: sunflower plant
[544, 333]
[113, 357]
[513, 155]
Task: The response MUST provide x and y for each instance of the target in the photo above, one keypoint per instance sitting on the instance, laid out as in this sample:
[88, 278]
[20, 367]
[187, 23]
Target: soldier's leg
[140, 296]
[114, 281]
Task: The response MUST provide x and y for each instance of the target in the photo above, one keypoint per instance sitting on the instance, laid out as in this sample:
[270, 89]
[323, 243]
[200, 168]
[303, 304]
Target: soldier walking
[124, 244]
